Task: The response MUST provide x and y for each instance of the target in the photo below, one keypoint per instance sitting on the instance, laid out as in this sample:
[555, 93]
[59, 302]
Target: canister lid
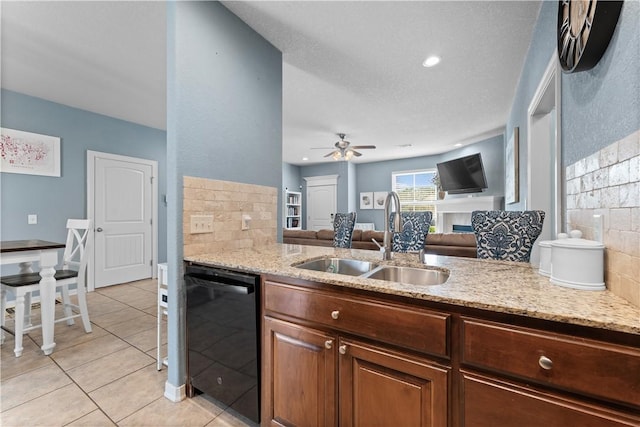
[576, 241]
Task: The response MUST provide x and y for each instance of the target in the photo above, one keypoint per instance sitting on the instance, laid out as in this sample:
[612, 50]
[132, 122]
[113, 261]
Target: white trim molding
[313, 181]
[173, 393]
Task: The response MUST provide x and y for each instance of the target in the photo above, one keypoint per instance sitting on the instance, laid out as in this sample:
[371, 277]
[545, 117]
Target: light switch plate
[32, 219]
[201, 224]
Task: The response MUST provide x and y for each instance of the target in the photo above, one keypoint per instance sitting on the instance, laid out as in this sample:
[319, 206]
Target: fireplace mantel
[458, 210]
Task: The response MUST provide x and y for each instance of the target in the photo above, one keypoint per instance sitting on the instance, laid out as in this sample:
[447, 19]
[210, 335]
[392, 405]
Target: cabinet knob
[342, 349]
[335, 314]
[545, 362]
[328, 344]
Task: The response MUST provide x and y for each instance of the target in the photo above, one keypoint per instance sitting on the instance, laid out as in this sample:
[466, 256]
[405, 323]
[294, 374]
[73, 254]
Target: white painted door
[321, 205]
[123, 212]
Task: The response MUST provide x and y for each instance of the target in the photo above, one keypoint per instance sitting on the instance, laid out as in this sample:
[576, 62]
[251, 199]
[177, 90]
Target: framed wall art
[366, 200]
[378, 199]
[512, 170]
[29, 153]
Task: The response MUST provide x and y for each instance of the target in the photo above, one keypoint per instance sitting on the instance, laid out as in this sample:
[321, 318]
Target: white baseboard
[173, 393]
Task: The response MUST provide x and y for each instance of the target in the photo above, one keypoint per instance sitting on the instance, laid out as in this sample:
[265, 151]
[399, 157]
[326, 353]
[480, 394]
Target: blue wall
[376, 176]
[599, 106]
[224, 121]
[55, 199]
[602, 105]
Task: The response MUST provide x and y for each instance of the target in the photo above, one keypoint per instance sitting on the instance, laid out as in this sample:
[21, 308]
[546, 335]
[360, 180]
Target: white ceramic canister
[544, 268]
[577, 263]
[545, 258]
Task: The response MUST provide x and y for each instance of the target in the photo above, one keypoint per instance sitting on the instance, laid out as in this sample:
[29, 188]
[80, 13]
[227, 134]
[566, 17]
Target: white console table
[458, 210]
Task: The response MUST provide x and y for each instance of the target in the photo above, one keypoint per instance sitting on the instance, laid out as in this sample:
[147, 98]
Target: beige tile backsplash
[608, 183]
[227, 202]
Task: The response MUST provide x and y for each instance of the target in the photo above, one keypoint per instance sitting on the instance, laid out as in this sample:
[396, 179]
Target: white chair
[74, 269]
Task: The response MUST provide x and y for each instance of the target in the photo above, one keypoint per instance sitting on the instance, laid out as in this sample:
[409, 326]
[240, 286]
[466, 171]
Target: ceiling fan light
[348, 155]
[431, 61]
[336, 155]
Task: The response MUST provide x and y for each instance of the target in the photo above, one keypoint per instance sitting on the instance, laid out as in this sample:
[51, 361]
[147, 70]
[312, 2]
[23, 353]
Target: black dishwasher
[223, 345]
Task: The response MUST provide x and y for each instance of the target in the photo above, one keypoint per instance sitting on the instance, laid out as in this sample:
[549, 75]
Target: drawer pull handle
[342, 349]
[335, 314]
[328, 344]
[545, 363]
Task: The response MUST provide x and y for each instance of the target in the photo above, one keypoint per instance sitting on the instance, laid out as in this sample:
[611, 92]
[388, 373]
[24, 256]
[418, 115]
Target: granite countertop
[507, 287]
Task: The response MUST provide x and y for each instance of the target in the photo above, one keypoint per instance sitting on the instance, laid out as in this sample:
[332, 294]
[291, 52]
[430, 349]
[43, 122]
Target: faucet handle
[377, 244]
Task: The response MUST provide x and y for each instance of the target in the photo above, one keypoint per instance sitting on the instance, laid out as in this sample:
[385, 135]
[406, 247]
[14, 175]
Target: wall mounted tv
[463, 175]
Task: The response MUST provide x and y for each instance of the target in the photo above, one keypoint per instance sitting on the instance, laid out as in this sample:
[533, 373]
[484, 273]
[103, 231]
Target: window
[416, 190]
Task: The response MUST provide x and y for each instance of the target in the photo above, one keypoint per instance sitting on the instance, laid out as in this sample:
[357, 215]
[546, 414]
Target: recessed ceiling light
[458, 145]
[304, 159]
[431, 61]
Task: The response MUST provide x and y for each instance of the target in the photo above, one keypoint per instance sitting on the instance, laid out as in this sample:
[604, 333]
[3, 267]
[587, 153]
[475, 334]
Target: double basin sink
[370, 270]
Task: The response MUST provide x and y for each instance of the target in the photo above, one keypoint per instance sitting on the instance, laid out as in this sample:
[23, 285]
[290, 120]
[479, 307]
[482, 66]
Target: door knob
[99, 229]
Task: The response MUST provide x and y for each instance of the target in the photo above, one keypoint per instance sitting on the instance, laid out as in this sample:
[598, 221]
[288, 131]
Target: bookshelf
[292, 210]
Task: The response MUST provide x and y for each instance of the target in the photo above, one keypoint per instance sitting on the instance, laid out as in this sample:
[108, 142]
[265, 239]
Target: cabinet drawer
[586, 366]
[489, 403]
[384, 322]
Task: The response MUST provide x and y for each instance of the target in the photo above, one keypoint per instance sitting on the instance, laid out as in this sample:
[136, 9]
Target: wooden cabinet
[530, 378]
[298, 371]
[589, 367]
[379, 387]
[318, 370]
[489, 402]
[292, 210]
[339, 357]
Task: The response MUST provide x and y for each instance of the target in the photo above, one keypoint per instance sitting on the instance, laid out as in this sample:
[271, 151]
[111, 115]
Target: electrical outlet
[246, 222]
[32, 219]
[201, 224]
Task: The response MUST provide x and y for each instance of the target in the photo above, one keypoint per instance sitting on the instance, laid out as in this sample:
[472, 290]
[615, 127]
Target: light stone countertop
[499, 286]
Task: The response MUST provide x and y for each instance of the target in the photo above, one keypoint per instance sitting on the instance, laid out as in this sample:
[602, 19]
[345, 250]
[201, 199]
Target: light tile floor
[105, 378]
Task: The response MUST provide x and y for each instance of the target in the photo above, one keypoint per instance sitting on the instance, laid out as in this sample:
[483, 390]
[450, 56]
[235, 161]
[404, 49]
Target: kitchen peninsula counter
[498, 286]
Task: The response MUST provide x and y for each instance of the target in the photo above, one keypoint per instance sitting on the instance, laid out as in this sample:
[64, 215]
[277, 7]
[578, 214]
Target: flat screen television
[463, 175]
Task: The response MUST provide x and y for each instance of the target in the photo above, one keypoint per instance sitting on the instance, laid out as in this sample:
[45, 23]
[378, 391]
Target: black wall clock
[584, 30]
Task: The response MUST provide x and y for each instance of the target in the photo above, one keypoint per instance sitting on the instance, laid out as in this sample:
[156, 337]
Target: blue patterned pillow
[415, 227]
[506, 235]
[343, 224]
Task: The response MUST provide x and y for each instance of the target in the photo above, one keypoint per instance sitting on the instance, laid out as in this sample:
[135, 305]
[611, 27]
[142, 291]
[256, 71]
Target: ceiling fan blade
[331, 153]
[355, 153]
[364, 147]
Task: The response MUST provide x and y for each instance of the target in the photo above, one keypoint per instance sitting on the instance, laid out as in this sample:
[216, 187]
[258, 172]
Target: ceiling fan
[345, 151]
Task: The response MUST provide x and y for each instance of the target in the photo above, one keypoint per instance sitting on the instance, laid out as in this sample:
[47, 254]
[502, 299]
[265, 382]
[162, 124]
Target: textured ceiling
[351, 67]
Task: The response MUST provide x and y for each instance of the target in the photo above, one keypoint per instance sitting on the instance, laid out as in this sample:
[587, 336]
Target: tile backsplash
[608, 183]
[227, 202]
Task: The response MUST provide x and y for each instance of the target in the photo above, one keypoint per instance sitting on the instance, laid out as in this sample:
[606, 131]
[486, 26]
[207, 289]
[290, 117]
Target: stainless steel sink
[370, 270]
[408, 275]
[350, 267]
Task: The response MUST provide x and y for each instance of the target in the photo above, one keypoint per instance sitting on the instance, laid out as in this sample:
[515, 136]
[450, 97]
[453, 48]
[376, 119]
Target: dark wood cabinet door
[383, 388]
[488, 403]
[298, 377]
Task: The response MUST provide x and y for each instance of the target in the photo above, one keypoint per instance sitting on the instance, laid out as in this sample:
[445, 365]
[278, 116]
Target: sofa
[452, 244]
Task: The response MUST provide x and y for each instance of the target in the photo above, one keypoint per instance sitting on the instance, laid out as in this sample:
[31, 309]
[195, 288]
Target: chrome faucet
[397, 224]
